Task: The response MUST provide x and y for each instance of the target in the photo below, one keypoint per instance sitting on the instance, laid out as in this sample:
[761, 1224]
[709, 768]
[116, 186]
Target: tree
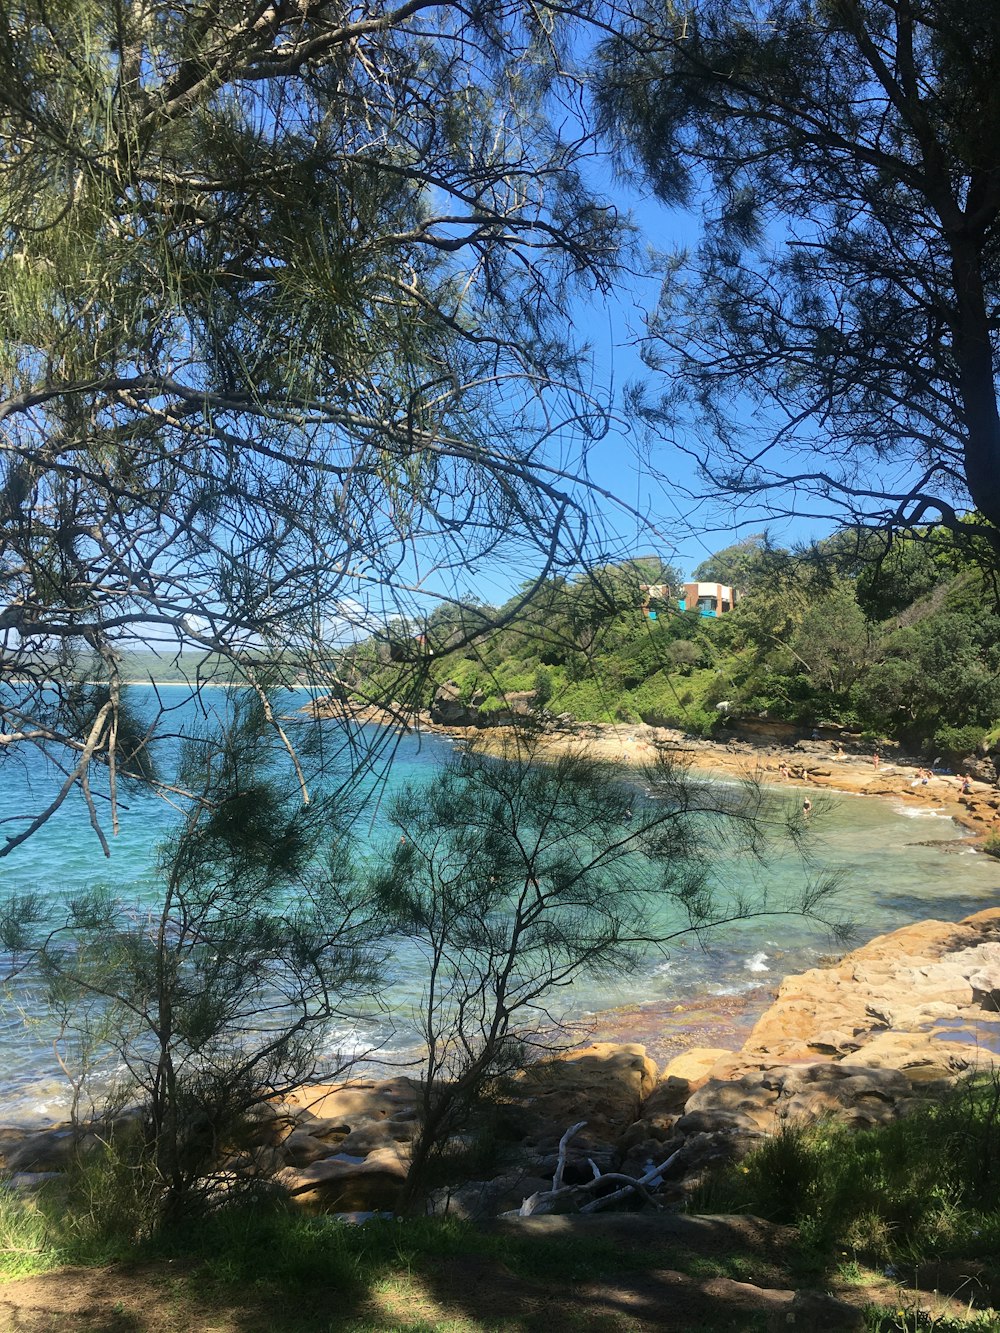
[513, 878]
[836, 333]
[282, 295]
[834, 641]
[745, 566]
[199, 1005]
[936, 677]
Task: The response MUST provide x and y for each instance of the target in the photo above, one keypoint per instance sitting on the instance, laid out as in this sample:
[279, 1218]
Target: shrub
[958, 741]
[920, 1187]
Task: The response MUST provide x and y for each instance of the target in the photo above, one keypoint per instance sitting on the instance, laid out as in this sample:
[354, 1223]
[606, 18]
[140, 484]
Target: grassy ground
[629, 1273]
[901, 1221]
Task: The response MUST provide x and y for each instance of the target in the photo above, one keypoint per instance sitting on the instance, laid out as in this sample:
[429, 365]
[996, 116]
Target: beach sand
[808, 765]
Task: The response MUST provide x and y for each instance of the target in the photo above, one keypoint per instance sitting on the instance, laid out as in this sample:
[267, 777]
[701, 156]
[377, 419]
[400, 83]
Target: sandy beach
[808, 765]
[821, 764]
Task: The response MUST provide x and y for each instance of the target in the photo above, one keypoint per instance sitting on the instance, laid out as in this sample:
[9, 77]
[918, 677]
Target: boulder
[343, 1183]
[604, 1084]
[906, 981]
[448, 710]
[47, 1150]
[692, 1067]
[477, 1200]
[345, 1105]
[983, 770]
[761, 1101]
[300, 1148]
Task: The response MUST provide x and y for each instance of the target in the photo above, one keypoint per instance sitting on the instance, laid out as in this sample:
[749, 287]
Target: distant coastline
[804, 765]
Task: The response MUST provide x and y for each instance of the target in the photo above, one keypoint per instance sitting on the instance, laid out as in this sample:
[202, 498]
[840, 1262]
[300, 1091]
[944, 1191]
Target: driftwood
[547, 1201]
[564, 1142]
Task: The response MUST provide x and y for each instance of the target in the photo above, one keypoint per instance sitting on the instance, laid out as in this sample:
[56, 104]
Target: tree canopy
[835, 335]
[282, 295]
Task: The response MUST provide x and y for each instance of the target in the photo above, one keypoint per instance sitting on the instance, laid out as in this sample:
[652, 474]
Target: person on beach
[876, 759]
[783, 770]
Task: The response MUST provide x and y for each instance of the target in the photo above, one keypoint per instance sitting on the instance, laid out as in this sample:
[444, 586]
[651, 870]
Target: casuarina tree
[834, 336]
[284, 344]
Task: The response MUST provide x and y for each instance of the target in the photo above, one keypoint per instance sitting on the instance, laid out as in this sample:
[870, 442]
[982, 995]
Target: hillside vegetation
[901, 643]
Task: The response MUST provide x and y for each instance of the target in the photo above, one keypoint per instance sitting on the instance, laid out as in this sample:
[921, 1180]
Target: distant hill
[902, 643]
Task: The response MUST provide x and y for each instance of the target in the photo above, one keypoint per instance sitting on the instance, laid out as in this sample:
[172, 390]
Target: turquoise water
[889, 877]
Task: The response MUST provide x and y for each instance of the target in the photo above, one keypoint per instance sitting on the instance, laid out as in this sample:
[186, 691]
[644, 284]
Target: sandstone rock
[921, 1057]
[447, 709]
[379, 1134]
[903, 980]
[692, 1067]
[268, 1123]
[477, 1200]
[985, 985]
[300, 1148]
[983, 770]
[760, 1101]
[604, 1084]
[10, 1139]
[344, 1104]
[262, 1160]
[346, 1183]
[48, 1150]
[642, 1157]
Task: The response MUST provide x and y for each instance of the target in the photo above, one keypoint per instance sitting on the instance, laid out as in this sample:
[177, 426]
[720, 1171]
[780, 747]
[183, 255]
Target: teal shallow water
[889, 877]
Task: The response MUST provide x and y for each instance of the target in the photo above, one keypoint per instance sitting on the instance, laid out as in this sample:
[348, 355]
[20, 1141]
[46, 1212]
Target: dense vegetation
[901, 642]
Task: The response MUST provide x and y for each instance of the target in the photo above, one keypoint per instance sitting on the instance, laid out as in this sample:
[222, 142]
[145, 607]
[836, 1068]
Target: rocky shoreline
[863, 1040]
[770, 753]
[804, 764]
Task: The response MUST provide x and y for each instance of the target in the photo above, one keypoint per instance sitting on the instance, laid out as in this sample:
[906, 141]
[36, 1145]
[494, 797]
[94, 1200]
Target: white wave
[757, 963]
[910, 813]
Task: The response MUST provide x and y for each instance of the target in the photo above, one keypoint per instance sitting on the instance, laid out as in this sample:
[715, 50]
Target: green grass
[922, 1188]
[885, 1319]
[235, 1245]
[881, 1207]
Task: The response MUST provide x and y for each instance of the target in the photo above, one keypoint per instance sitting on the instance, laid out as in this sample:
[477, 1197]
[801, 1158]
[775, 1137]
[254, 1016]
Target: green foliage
[892, 578]
[955, 742]
[542, 687]
[891, 1319]
[220, 993]
[801, 645]
[919, 1188]
[940, 671]
[514, 877]
[281, 295]
[744, 566]
[829, 337]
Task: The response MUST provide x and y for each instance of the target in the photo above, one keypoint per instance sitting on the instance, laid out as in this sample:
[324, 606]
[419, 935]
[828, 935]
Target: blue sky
[686, 533]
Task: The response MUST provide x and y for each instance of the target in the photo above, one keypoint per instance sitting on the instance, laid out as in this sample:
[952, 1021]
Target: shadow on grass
[250, 1272]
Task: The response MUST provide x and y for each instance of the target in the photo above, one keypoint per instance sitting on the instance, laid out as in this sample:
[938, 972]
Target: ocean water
[895, 865]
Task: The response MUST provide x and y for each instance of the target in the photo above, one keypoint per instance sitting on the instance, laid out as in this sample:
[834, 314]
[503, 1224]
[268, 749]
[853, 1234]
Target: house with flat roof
[710, 599]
